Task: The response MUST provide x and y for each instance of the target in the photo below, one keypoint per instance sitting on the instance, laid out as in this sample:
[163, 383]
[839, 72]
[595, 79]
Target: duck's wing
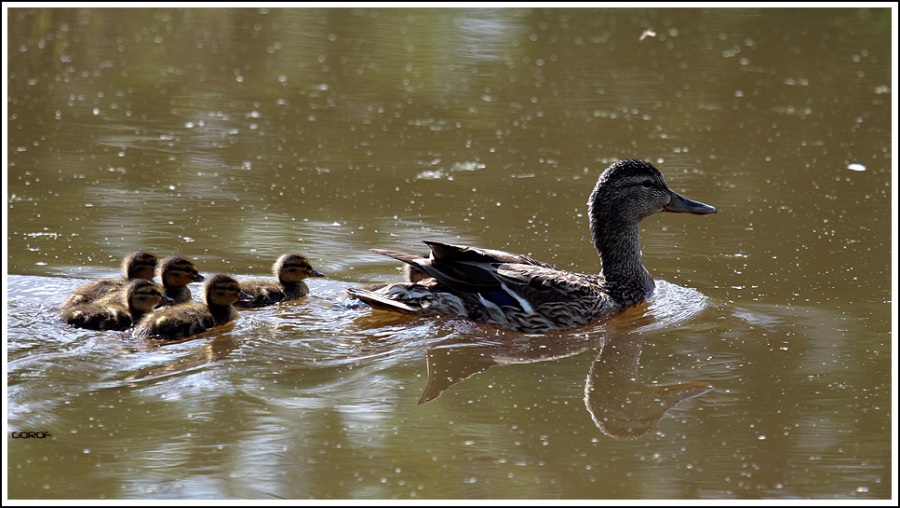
[496, 277]
[448, 252]
[532, 286]
[461, 268]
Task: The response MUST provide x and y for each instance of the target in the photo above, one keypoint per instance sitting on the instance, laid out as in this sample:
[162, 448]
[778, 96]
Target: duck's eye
[647, 183]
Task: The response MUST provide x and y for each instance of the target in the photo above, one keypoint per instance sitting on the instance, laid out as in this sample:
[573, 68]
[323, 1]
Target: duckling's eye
[647, 183]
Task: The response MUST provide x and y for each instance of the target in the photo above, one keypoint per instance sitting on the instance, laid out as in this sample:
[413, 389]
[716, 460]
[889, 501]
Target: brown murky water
[233, 136]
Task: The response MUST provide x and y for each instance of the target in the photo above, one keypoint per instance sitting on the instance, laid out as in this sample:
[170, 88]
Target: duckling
[137, 265]
[118, 310]
[175, 273]
[291, 270]
[517, 293]
[187, 319]
[410, 274]
[413, 274]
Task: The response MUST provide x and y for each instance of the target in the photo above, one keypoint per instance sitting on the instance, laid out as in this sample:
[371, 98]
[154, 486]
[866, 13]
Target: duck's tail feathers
[402, 256]
[378, 301]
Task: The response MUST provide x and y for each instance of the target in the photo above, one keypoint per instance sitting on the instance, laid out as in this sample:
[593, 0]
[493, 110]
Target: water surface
[760, 370]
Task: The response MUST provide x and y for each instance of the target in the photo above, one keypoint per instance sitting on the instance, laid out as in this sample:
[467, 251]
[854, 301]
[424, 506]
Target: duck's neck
[222, 313]
[180, 294]
[294, 290]
[137, 315]
[626, 279]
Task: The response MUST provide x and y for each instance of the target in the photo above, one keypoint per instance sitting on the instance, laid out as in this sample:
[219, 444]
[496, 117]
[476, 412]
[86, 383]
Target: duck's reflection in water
[456, 360]
[621, 406]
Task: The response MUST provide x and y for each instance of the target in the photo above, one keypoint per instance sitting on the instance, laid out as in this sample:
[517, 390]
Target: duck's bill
[316, 273]
[244, 296]
[681, 204]
[165, 301]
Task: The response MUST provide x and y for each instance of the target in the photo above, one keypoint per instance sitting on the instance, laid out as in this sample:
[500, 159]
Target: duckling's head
[630, 190]
[221, 290]
[139, 265]
[413, 274]
[294, 268]
[144, 295]
[176, 271]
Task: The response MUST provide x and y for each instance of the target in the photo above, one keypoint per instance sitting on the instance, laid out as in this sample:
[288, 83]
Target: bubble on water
[856, 167]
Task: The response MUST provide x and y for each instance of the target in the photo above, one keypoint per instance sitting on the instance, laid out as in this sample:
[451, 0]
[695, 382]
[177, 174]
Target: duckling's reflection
[621, 406]
[205, 352]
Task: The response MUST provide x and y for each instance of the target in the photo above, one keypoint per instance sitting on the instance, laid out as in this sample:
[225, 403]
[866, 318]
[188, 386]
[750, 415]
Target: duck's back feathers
[442, 251]
[462, 268]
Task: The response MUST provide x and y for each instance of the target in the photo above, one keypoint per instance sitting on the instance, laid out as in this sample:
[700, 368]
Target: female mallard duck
[137, 265]
[521, 294]
[175, 273]
[291, 270]
[184, 320]
[118, 310]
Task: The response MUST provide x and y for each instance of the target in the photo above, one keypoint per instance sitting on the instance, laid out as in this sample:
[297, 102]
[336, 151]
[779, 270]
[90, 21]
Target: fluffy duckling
[410, 274]
[414, 274]
[180, 321]
[137, 265]
[290, 269]
[175, 273]
[118, 310]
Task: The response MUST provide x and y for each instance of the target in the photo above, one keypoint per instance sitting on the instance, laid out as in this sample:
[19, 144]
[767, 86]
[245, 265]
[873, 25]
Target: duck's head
[143, 295]
[222, 290]
[176, 271]
[139, 265]
[630, 190]
[294, 268]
